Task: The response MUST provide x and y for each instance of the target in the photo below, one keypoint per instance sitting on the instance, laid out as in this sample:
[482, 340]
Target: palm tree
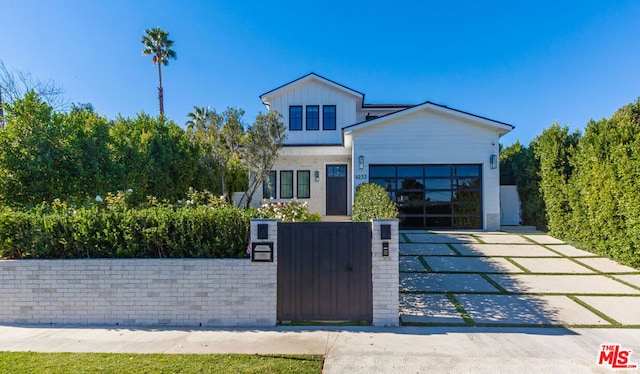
[156, 43]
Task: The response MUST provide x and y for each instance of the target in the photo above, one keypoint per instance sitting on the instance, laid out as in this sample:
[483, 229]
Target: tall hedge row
[591, 184]
[112, 232]
[519, 166]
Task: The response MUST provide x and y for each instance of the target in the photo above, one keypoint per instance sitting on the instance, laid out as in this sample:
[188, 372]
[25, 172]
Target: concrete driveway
[512, 280]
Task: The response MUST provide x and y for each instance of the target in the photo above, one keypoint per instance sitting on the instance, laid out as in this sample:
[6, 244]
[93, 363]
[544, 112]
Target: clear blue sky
[525, 63]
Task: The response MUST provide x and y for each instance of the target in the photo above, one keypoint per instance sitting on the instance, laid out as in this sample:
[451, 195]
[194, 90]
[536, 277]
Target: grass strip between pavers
[32, 362]
[460, 309]
[425, 264]
[480, 241]
[406, 238]
[454, 249]
[514, 263]
[493, 283]
[594, 311]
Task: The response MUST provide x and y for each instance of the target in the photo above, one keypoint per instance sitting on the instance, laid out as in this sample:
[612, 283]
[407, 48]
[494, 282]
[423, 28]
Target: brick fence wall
[189, 292]
[184, 292]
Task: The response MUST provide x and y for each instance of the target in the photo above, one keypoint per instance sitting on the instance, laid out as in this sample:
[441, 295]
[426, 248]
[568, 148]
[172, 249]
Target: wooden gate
[324, 272]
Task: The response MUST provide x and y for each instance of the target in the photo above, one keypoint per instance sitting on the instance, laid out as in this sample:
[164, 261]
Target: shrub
[519, 166]
[113, 231]
[372, 202]
[293, 211]
[590, 184]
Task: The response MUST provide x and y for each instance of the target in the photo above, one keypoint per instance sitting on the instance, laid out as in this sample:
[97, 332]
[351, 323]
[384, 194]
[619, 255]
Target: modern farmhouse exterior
[437, 163]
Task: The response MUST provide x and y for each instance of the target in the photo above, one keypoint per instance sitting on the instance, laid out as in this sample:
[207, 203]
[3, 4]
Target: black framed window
[447, 196]
[295, 118]
[313, 117]
[269, 186]
[304, 184]
[286, 184]
[328, 117]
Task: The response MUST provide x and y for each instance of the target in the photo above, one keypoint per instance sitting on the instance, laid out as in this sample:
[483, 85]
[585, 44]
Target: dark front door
[324, 271]
[336, 190]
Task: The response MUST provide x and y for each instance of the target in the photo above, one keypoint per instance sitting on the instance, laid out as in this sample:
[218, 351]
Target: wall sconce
[493, 161]
[361, 162]
[317, 176]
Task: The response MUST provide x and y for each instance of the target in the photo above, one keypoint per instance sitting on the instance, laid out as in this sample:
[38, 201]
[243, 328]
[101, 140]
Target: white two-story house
[440, 165]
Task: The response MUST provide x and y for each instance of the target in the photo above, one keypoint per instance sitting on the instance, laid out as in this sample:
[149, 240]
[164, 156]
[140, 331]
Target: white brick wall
[185, 292]
[188, 292]
[385, 274]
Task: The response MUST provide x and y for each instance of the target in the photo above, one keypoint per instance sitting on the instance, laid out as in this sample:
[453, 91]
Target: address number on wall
[361, 176]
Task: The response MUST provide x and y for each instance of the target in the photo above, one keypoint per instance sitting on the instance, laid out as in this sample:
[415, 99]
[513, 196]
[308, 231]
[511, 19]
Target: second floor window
[313, 117]
[328, 117]
[295, 118]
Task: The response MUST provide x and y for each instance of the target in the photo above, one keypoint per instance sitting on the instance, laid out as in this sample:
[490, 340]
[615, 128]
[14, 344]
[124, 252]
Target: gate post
[265, 274]
[385, 272]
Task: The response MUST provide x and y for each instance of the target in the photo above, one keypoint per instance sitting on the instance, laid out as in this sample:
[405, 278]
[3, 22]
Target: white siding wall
[316, 93]
[426, 137]
[313, 163]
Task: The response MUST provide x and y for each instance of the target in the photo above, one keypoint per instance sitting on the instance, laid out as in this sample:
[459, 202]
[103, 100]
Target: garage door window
[433, 196]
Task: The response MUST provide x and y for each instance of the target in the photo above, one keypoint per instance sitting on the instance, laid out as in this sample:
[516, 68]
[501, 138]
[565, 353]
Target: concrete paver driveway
[510, 279]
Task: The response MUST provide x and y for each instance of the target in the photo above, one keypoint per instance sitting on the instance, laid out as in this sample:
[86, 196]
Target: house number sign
[361, 176]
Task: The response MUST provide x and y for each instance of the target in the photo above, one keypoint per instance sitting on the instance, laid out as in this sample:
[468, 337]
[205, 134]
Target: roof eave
[502, 127]
[265, 96]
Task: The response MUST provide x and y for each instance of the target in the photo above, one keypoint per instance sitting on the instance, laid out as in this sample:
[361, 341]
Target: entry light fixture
[316, 175]
[361, 162]
[493, 161]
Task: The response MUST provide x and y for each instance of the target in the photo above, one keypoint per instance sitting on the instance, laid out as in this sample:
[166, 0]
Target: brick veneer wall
[385, 274]
[186, 292]
[183, 292]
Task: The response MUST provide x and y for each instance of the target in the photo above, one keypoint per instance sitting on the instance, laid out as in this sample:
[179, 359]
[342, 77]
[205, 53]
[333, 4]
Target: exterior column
[385, 273]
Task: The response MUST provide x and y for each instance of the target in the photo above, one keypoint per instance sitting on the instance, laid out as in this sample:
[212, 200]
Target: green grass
[31, 362]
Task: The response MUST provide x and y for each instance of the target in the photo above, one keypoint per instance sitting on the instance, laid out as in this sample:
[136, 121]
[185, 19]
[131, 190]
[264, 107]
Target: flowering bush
[293, 211]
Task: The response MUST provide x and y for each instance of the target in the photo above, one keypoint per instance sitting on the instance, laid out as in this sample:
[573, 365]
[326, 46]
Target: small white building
[440, 165]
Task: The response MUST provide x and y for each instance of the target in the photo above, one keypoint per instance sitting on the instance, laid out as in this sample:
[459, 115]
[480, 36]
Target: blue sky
[525, 63]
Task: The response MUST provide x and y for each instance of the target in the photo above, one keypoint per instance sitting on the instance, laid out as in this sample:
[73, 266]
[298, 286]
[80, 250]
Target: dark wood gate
[324, 272]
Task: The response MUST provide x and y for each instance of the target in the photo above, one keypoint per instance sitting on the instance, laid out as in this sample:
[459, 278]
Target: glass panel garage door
[433, 196]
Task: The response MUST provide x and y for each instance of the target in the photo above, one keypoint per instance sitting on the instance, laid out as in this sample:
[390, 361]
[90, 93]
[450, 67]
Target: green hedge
[115, 232]
[591, 184]
[371, 202]
[519, 166]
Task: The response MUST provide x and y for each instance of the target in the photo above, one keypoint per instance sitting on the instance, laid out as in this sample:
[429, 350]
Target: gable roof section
[307, 78]
[502, 127]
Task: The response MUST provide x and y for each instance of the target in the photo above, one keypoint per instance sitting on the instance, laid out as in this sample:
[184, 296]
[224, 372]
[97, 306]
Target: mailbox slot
[262, 252]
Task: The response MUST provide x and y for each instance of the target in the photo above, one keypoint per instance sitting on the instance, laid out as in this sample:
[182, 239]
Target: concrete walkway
[510, 280]
[355, 350]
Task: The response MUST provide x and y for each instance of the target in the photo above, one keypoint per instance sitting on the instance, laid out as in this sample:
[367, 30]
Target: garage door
[433, 196]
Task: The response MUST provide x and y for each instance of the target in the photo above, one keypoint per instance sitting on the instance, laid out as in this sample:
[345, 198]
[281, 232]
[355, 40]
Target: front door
[336, 190]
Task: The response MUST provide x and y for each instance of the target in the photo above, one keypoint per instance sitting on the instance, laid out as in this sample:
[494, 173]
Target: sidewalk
[354, 349]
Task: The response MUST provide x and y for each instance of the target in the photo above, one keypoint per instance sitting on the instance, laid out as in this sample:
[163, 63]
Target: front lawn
[32, 362]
